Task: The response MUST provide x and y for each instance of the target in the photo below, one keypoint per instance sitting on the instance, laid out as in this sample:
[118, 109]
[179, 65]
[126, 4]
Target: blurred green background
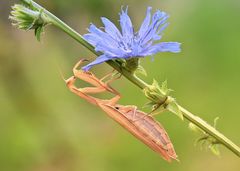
[44, 127]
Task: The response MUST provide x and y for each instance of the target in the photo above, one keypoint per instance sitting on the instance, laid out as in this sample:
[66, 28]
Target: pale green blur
[44, 127]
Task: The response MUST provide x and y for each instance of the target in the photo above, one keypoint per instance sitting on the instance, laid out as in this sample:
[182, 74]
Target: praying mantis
[143, 126]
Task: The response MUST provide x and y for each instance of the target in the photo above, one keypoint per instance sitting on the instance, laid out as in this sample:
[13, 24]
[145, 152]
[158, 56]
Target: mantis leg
[93, 80]
[84, 92]
[134, 113]
[114, 100]
[87, 76]
[70, 84]
[107, 75]
[153, 113]
[111, 79]
[92, 90]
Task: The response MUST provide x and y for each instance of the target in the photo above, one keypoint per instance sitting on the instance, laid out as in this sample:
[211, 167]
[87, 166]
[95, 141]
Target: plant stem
[137, 81]
[211, 131]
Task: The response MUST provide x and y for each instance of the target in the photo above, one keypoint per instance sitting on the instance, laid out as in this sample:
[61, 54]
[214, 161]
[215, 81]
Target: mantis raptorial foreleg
[100, 86]
[93, 80]
[70, 84]
[87, 76]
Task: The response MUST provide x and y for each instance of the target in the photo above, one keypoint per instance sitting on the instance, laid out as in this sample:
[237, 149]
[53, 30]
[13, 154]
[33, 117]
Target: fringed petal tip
[173, 47]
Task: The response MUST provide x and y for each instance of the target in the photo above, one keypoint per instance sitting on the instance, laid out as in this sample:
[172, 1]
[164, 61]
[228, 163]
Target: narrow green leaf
[38, 32]
[164, 87]
[173, 107]
[155, 84]
[215, 122]
[141, 70]
[215, 149]
[195, 128]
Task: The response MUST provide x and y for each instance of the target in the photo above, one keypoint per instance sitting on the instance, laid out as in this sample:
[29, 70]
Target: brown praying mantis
[141, 125]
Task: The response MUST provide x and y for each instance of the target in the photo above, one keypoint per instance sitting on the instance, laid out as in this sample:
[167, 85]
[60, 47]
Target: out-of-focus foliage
[44, 127]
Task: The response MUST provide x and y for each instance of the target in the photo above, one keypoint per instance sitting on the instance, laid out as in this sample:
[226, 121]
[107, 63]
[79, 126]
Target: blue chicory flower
[128, 44]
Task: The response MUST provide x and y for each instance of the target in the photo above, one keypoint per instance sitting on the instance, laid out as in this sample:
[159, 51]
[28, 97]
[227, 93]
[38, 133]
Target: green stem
[211, 131]
[137, 81]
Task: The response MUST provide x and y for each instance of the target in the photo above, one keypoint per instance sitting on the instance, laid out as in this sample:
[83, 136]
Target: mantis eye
[117, 108]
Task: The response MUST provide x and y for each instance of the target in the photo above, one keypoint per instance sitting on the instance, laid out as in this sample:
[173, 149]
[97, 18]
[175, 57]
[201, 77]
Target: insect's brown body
[138, 123]
[143, 127]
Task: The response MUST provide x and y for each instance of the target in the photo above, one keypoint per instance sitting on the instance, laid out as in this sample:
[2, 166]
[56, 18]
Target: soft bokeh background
[44, 127]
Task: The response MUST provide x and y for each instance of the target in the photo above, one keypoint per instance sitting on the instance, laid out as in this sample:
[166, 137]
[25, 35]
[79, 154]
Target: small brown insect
[142, 126]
